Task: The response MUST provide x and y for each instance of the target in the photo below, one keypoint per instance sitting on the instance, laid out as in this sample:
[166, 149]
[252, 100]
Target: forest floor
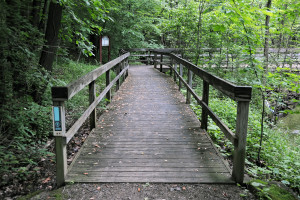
[146, 191]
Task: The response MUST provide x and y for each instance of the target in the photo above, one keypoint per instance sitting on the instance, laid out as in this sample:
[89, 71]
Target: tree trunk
[35, 12]
[267, 33]
[43, 18]
[199, 30]
[51, 36]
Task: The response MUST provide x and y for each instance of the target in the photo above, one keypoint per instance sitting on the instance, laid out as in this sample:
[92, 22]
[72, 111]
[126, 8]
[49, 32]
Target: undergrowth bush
[280, 153]
[26, 126]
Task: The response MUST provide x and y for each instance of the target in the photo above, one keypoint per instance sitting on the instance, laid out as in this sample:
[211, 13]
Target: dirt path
[135, 191]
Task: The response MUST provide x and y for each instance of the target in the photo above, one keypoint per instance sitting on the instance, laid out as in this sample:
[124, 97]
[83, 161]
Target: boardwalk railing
[241, 94]
[62, 94]
[146, 55]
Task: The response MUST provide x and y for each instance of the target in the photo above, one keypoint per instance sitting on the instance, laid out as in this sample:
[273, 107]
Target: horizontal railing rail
[241, 94]
[144, 55]
[65, 93]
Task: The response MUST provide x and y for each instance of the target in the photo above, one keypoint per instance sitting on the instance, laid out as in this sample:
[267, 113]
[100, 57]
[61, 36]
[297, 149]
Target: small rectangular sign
[57, 118]
[105, 41]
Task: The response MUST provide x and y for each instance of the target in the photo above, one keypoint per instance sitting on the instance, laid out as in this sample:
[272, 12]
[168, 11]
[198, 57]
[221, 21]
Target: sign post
[105, 42]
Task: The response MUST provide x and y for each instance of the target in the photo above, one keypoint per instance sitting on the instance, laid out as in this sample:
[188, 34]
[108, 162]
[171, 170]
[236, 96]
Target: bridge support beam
[240, 147]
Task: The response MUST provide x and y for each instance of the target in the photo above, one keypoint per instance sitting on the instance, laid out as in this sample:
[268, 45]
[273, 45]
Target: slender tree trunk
[199, 30]
[35, 12]
[51, 36]
[43, 18]
[267, 33]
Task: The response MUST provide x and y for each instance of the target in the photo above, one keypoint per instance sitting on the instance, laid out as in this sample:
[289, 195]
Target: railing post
[121, 68]
[92, 97]
[205, 97]
[118, 81]
[108, 94]
[175, 70]
[180, 73]
[126, 64]
[155, 58]
[240, 148]
[161, 60]
[171, 68]
[190, 82]
[148, 57]
[61, 159]
[59, 131]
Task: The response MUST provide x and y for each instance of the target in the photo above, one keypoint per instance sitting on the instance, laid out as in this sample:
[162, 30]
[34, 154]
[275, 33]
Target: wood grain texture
[149, 135]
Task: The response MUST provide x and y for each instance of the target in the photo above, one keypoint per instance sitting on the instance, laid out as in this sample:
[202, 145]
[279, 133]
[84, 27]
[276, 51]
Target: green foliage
[264, 190]
[280, 152]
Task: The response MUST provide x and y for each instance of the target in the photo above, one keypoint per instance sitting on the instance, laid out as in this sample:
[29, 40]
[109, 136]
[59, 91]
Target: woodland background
[251, 42]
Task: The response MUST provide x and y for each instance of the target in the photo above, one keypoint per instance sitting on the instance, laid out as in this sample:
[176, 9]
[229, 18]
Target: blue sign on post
[57, 118]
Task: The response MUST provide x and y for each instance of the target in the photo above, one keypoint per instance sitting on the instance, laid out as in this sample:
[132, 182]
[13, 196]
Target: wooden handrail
[62, 94]
[71, 132]
[235, 92]
[67, 92]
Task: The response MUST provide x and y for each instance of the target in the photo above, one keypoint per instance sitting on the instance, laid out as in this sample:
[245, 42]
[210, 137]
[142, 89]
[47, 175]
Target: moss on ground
[265, 190]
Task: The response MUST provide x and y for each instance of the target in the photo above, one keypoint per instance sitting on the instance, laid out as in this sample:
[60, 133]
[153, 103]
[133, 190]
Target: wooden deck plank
[149, 134]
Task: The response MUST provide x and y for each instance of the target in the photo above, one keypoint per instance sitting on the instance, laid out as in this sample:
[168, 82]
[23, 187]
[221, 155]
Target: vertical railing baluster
[107, 77]
[161, 60]
[205, 98]
[175, 70]
[155, 60]
[171, 68]
[240, 148]
[180, 73]
[127, 63]
[148, 57]
[117, 73]
[190, 82]
[92, 97]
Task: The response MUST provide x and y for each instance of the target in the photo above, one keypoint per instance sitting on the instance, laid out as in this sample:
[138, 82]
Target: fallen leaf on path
[46, 180]
[139, 189]
[85, 173]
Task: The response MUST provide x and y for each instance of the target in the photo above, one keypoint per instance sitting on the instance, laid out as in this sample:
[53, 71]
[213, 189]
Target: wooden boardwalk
[148, 135]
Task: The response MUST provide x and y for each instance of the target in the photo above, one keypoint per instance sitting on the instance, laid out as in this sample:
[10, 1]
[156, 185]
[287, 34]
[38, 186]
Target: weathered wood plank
[215, 178]
[153, 137]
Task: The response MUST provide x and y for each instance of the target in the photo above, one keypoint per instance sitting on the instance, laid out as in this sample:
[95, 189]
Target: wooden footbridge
[149, 133]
